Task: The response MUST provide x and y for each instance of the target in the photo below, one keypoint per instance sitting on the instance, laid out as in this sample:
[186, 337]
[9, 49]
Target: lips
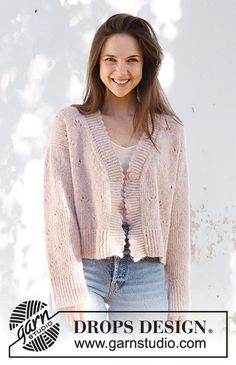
[120, 82]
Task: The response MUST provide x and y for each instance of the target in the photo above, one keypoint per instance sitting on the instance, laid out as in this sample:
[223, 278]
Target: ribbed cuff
[178, 299]
[69, 290]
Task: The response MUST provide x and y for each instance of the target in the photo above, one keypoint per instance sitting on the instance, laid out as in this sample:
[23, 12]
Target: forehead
[121, 45]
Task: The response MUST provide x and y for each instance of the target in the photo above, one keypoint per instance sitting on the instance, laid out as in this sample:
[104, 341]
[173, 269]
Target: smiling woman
[117, 207]
[126, 48]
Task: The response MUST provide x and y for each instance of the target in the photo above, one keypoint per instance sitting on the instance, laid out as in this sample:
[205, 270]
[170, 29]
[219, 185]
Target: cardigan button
[132, 176]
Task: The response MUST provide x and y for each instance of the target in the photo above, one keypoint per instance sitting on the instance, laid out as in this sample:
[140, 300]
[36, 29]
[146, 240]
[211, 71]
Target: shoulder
[68, 115]
[171, 125]
[170, 122]
[64, 123]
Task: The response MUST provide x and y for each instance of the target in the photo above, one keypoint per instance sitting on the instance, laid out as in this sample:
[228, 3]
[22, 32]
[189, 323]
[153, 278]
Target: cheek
[105, 70]
[137, 70]
[103, 74]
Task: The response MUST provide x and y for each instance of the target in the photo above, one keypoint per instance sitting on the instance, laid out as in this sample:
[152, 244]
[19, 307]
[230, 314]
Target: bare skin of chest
[120, 131]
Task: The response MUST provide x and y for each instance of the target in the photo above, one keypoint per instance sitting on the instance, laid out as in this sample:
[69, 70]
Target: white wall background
[44, 49]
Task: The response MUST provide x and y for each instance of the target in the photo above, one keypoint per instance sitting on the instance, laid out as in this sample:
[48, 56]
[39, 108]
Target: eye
[133, 60]
[109, 59]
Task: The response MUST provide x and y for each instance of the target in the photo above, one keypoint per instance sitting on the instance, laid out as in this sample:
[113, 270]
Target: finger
[81, 317]
[72, 319]
[68, 319]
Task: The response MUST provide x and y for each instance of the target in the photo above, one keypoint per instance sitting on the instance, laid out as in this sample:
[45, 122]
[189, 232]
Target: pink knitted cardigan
[83, 181]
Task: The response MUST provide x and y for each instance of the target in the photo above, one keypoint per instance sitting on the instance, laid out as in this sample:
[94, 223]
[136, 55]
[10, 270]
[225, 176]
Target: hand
[71, 317]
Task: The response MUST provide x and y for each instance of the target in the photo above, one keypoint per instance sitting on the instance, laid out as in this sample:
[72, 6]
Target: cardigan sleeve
[178, 257]
[61, 226]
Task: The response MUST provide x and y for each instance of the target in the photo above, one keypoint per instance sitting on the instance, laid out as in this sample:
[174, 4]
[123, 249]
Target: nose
[121, 69]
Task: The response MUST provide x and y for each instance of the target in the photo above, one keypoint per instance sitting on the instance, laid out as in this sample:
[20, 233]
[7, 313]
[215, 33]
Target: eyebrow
[110, 55]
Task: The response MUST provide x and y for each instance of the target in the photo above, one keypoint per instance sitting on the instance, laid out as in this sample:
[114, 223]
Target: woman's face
[121, 64]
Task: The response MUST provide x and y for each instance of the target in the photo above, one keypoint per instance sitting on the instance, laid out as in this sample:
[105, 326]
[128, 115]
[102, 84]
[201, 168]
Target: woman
[117, 208]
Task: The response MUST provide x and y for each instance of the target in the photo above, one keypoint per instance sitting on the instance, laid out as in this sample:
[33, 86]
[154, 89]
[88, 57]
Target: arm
[179, 243]
[62, 234]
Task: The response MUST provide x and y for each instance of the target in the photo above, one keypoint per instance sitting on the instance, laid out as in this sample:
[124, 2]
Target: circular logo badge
[34, 325]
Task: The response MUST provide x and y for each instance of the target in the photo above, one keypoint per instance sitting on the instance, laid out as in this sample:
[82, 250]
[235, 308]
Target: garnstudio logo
[34, 325]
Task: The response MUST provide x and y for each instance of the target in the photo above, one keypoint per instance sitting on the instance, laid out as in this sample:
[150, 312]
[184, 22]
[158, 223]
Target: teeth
[120, 81]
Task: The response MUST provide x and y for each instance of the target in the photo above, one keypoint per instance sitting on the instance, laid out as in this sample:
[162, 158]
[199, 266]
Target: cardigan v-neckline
[104, 125]
[107, 153]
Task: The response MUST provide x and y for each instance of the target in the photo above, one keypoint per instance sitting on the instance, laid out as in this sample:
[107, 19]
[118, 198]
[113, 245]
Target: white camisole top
[124, 154]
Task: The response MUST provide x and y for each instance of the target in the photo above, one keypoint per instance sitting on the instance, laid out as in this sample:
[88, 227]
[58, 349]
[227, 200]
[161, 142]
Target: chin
[121, 94]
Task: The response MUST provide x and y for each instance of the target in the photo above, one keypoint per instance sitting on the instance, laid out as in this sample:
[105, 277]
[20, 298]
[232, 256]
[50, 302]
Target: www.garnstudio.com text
[162, 343]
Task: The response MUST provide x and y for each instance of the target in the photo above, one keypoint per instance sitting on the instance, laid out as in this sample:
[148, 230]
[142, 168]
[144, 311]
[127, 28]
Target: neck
[119, 107]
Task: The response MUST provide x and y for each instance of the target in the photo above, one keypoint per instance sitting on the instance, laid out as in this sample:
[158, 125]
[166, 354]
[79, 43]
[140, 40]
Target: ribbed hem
[154, 243]
[101, 244]
[69, 290]
[179, 299]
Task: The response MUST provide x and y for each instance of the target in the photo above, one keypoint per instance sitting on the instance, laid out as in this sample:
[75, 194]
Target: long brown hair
[152, 98]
